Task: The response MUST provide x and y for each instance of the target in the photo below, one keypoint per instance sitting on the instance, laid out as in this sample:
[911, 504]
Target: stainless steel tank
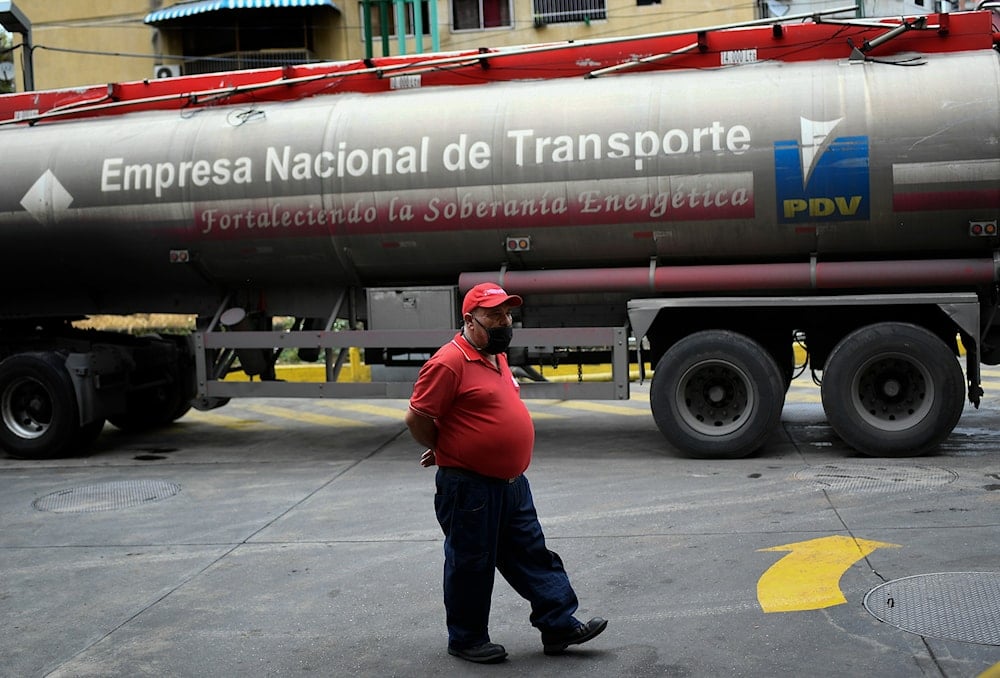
[768, 162]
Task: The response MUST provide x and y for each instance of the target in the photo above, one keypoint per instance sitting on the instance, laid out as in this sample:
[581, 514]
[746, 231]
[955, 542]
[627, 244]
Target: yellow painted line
[397, 413]
[992, 672]
[226, 421]
[400, 414]
[307, 417]
[534, 403]
[310, 373]
[591, 375]
[808, 578]
[545, 415]
[588, 406]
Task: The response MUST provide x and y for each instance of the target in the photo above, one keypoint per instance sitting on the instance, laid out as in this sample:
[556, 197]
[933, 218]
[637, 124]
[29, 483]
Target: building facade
[78, 43]
[81, 43]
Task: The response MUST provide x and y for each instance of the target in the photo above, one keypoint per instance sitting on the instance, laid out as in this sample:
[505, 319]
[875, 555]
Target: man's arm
[424, 431]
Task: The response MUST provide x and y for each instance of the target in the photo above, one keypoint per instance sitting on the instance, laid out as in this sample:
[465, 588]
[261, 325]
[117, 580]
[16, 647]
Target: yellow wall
[86, 26]
[65, 30]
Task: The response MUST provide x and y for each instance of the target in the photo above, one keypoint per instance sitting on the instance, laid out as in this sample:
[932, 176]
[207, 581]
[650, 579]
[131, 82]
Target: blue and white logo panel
[820, 177]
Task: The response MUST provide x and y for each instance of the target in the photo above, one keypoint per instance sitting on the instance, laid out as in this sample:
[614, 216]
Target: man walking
[466, 409]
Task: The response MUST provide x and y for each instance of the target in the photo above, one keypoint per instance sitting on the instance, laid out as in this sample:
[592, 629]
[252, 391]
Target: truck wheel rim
[892, 393]
[26, 408]
[715, 398]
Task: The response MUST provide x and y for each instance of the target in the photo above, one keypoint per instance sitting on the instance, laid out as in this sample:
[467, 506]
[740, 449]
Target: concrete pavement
[277, 538]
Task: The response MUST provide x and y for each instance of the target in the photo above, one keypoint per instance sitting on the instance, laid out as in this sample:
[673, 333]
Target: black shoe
[556, 643]
[487, 653]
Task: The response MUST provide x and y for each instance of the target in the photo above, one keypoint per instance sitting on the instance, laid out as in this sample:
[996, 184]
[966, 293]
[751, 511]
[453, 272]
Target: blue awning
[186, 9]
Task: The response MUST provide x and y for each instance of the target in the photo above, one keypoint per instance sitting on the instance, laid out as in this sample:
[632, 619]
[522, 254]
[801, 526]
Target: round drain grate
[876, 477]
[963, 606]
[106, 496]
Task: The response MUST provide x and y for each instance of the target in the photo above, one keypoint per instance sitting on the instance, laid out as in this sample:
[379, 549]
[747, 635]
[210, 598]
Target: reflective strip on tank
[960, 184]
[961, 171]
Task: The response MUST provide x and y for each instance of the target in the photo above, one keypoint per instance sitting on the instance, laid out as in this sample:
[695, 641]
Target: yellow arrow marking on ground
[808, 578]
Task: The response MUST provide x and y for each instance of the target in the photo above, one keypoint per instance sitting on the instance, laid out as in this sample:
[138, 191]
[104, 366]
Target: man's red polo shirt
[483, 426]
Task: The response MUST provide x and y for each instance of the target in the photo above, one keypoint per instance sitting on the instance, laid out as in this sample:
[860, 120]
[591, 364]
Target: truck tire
[89, 433]
[38, 408]
[716, 394]
[167, 401]
[152, 408]
[893, 390]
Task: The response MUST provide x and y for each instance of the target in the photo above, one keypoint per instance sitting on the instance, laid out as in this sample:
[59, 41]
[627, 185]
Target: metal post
[399, 8]
[435, 41]
[366, 22]
[27, 61]
[383, 18]
[418, 25]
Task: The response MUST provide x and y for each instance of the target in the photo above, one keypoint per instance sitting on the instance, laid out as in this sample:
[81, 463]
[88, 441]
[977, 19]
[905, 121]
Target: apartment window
[375, 18]
[568, 11]
[480, 14]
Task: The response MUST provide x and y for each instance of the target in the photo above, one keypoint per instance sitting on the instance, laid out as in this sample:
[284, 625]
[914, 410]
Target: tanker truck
[692, 200]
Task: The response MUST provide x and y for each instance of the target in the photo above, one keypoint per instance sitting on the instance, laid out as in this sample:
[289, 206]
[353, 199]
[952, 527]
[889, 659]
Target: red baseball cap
[488, 295]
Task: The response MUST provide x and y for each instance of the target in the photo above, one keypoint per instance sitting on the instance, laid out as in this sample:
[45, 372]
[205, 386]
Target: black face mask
[499, 338]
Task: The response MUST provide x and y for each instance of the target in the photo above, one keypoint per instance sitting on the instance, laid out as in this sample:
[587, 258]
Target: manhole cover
[876, 477]
[963, 606]
[106, 496]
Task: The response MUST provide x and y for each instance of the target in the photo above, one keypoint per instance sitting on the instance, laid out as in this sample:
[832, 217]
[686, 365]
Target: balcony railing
[568, 11]
[241, 61]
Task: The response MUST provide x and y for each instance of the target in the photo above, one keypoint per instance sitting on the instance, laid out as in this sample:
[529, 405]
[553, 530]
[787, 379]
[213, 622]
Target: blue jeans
[492, 524]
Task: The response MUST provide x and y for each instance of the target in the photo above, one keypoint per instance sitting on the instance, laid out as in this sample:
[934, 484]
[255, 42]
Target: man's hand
[427, 459]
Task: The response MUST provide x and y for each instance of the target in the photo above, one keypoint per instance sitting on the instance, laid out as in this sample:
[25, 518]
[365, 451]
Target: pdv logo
[820, 177]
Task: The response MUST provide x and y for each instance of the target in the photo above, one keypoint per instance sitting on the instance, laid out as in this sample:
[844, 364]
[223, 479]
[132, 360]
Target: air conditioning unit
[166, 70]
